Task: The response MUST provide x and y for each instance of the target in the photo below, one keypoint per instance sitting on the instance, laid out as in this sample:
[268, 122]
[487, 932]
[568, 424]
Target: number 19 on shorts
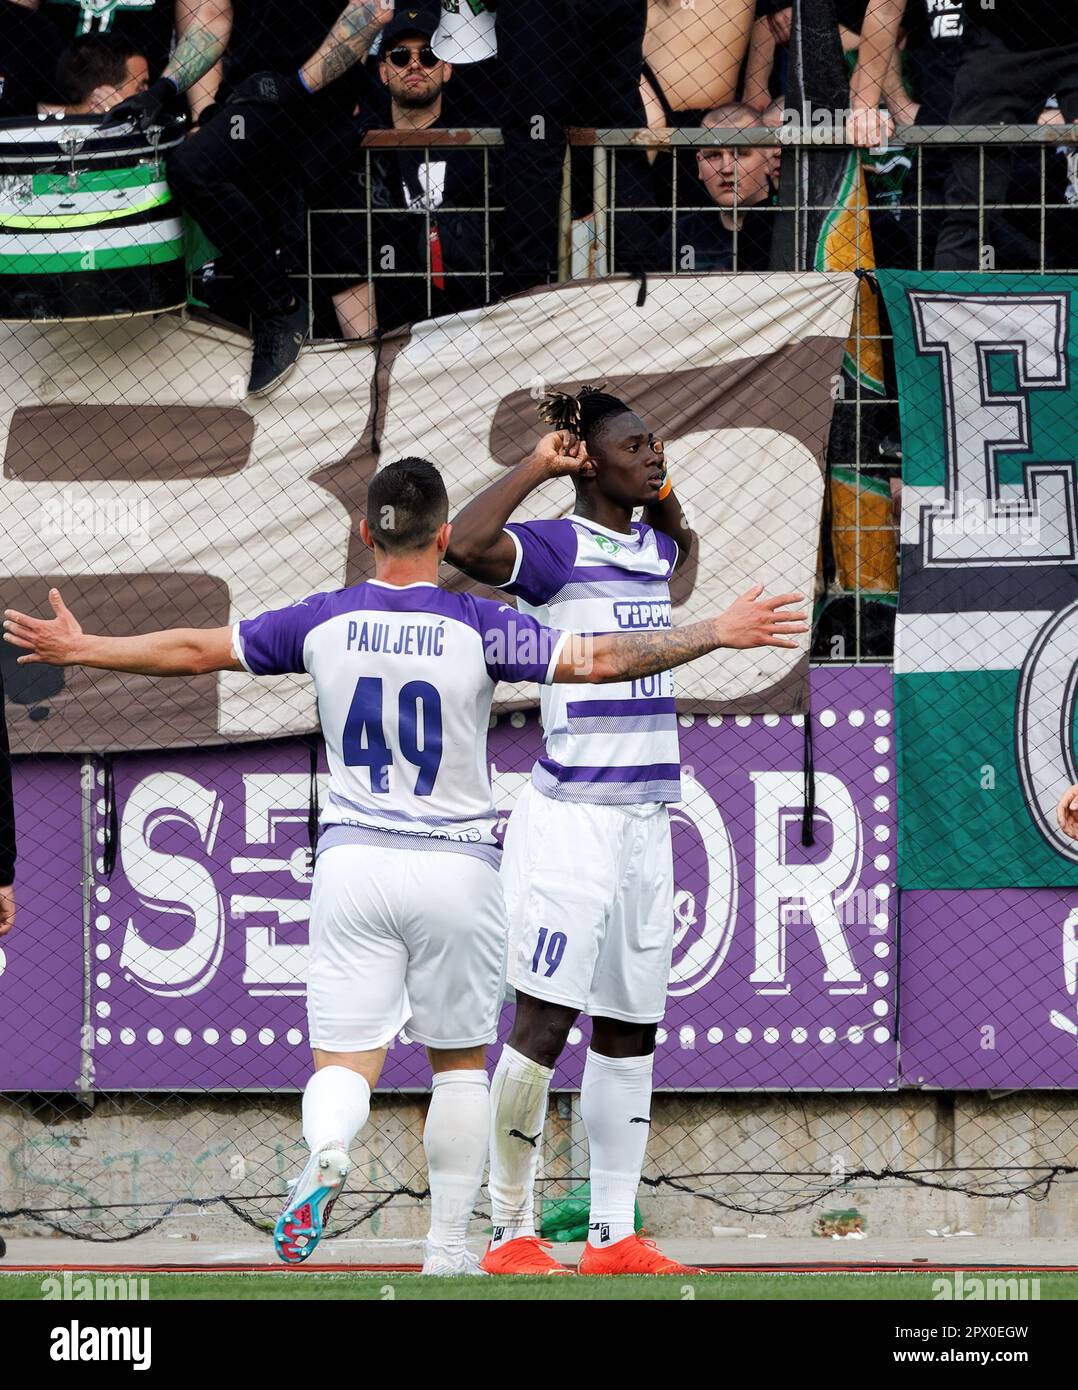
[549, 949]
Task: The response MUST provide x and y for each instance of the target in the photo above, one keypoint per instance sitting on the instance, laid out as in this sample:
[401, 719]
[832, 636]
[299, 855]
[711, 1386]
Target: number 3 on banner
[364, 742]
[555, 949]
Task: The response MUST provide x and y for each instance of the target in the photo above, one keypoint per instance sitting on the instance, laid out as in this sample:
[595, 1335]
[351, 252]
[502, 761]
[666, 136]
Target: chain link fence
[153, 988]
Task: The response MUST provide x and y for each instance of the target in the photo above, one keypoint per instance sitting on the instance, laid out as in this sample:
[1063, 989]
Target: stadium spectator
[289, 86]
[931, 36]
[933, 47]
[1014, 58]
[428, 247]
[7, 828]
[972, 64]
[692, 63]
[568, 63]
[29, 43]
[693, 57]
[97, 72]
[928, 35]
[181, 41]
[741, 183]
[865, 29]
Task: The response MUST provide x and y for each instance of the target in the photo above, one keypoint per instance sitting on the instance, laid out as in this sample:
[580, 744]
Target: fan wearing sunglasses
[412, 72]
[429, 238]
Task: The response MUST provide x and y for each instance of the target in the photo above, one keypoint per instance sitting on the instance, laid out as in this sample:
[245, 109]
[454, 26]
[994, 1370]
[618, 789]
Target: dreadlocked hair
[581, 414]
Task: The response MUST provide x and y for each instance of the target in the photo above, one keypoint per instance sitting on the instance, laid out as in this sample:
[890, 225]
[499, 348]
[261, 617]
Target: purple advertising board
[990, 988]
[785, 964]
[785, 958]
[41, 959]
[784, 953]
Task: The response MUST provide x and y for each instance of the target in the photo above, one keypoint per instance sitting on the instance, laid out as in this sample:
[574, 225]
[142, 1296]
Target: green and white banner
[986, 646]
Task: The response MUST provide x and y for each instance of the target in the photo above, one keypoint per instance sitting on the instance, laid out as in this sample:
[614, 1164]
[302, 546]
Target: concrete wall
[122, 1160]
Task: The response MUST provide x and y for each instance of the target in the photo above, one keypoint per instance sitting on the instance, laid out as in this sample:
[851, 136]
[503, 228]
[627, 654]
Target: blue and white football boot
[309, 1203]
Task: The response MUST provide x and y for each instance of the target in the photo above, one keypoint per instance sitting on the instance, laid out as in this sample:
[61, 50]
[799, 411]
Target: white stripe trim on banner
[102, 200]
[976, 641]
[91, 239]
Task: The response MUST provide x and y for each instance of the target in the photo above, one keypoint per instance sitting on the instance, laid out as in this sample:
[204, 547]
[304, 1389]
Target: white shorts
[590, 896]
[404, 939]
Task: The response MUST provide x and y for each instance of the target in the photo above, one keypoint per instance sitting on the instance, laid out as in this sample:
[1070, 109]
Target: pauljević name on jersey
[410, 639]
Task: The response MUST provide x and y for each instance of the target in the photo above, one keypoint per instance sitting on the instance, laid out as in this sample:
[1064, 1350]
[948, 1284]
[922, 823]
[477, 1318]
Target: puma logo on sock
[640, 1120]
[531, 1139]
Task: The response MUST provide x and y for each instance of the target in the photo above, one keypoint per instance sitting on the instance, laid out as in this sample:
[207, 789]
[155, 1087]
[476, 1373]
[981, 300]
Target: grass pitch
[739, 1287]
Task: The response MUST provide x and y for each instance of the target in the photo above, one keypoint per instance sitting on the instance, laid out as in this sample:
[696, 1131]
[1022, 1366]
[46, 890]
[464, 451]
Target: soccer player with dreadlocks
[587, 865]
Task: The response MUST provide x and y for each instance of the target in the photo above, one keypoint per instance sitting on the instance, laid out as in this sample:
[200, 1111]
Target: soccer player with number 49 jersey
[587, 867]
[407, 914]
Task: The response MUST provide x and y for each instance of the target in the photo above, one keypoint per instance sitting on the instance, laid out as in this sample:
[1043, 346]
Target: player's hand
[1067, 812]
[144, 109]
[7, 909]
[562, 454]
[751, 621]
[53, 641]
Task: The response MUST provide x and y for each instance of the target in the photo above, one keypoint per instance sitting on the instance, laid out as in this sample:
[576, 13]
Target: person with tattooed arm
[281, 118]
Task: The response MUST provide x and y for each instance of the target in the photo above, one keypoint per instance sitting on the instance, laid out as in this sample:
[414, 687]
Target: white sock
[518, 1097]
[615, 1106]
[336, 1104]
[456, 1138]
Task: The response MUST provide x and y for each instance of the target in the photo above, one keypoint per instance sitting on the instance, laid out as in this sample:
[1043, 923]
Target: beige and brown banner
[138, 479]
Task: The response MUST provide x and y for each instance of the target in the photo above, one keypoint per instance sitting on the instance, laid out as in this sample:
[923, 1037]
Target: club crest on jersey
[634, 613]
[605, 543]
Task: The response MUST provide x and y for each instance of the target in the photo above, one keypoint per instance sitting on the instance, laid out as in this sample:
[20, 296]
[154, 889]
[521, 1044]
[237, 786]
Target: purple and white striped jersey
[404, 677]
[614, 745]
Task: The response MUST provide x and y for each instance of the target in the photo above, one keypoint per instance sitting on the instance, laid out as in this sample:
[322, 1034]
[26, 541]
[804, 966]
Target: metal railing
[1045, 140]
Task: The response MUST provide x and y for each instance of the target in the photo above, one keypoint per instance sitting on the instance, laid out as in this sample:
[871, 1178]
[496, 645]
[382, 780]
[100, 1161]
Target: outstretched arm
[479, 544]
[60, 641]
[749, 622]
[346, 43]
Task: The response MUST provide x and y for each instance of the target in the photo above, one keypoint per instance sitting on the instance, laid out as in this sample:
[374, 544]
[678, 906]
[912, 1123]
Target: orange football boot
[633, 1255]
[524, 1255]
